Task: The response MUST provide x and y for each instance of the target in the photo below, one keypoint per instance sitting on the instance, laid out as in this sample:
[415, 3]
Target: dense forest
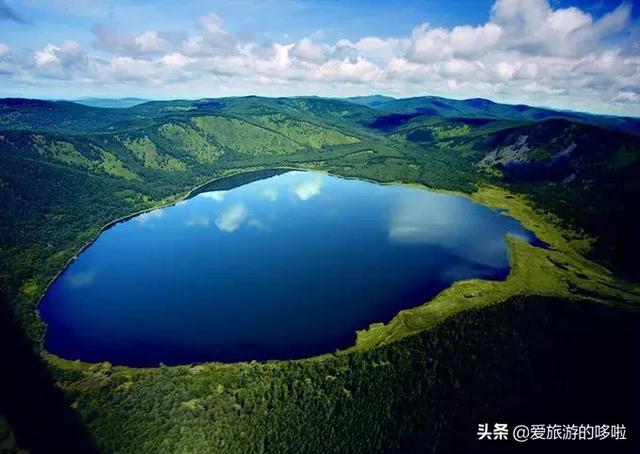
[67, 170]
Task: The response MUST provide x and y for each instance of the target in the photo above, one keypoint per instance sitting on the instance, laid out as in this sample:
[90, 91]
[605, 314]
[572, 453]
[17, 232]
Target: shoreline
[190, 193]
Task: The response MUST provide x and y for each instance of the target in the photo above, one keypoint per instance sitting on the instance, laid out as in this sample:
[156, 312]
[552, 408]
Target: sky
[579, 55]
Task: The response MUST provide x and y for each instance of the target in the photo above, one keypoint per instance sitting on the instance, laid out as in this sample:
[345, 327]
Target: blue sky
[570, 54]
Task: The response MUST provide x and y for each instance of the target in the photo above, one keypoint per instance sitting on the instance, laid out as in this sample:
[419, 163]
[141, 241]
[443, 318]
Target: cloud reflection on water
[145, 218]
[201, 221]
[231, 218]
[259, 225]
[305, 190]
[270, 194]
[449, 223]
[218, 196]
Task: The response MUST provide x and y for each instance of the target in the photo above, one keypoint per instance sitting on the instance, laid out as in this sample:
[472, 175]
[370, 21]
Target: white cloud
[230, 219]
[270, 194]
[469, 41]
[433, 44]
[627, 96]
[198, 221]
[145, 218]
[533, 26]
[308, 50]
[110, 40]
[440, 220]
[527, 51]
[212, 39]
[47, 55]
[150, 41]
[129, 68]
[507, 70]
[307, 189]
[375, 48]
[218, 196]
[177, 60]
[258, 225]
[428, 44]
[535, 87]
[360, 71]
[211, 23]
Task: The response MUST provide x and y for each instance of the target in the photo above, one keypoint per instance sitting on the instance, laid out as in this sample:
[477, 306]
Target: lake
[288, 266]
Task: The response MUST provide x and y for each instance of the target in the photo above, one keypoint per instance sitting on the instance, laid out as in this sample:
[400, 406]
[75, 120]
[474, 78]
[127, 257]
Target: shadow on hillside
[36, 410]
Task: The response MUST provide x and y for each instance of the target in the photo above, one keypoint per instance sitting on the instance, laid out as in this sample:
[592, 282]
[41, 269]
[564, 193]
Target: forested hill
[484, 108]
[94, 113]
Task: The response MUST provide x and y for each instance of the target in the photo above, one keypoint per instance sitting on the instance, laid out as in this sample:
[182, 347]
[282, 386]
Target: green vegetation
[67, 170]
[146, 151]
[242, 137]
[478, 108]
[304, 132]
[113, 166]
[189, 140]
[61, 151]
[8, 439]
[450, 131]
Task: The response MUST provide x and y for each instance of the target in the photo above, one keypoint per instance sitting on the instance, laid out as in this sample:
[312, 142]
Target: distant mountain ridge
[398, 110]
[485, 108]
[111, 102]
[372, 100]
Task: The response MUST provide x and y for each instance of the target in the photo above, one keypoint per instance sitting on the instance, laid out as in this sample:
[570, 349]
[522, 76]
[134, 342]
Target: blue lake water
[285, 267]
